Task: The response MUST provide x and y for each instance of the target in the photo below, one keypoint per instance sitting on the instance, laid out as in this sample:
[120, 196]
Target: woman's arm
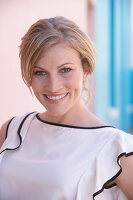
[125, 179]
[3, 132]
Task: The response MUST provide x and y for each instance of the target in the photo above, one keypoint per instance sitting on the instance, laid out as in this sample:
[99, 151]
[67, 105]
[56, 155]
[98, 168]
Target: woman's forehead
[59, 51]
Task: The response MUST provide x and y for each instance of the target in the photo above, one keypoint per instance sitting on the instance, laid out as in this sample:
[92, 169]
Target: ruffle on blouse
[121, 144]
[13, 141]
[106, 168]
[107, 184]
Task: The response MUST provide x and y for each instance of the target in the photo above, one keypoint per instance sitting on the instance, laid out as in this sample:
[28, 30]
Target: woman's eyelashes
[43, 73]
[40, 73]
[65, 70]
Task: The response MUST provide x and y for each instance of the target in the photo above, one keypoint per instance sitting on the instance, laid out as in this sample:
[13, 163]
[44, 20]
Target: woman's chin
[55, 114]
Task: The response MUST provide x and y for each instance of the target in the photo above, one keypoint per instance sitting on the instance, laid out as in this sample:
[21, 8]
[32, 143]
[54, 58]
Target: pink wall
[15, 18]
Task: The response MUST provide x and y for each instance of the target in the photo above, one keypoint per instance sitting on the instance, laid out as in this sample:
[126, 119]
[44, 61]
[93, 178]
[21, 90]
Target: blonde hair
[47, 32]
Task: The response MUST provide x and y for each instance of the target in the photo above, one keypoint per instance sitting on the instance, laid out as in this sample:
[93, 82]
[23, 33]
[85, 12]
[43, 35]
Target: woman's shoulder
[3, 131]
[13, 123]
[123, 136]
[116, 143]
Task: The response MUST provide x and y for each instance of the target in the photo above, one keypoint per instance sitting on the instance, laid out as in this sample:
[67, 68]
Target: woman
[64, 152]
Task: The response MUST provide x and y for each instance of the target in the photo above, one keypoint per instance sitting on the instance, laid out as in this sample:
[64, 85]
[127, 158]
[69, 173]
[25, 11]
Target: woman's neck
[76, 116]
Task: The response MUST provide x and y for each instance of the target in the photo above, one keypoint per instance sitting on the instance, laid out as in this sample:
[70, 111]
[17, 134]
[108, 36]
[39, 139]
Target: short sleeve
[14, 137]
[108, 164]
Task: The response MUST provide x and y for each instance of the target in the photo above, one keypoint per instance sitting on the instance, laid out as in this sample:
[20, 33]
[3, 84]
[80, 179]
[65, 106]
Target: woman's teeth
[56, 97]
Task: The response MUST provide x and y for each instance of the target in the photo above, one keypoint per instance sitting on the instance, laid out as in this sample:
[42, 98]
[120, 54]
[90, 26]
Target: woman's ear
[86, 68]
[86, 74]
[86, 71]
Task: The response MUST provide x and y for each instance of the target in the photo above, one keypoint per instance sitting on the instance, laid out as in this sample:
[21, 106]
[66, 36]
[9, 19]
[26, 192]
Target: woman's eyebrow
[64, 64]
[57, 66]
[38, 67]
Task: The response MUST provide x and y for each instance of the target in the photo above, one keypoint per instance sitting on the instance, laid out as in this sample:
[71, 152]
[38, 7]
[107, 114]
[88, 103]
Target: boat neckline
[71, 126]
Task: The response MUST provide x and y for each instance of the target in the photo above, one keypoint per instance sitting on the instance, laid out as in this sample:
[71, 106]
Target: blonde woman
[65, 152]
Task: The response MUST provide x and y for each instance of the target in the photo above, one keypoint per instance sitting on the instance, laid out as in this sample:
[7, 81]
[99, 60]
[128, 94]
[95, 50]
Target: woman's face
[57, 80]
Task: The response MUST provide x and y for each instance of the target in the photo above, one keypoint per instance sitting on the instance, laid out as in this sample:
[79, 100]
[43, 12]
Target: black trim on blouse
[105, 185]
[69, 126]
[8, 127]
[18, 132]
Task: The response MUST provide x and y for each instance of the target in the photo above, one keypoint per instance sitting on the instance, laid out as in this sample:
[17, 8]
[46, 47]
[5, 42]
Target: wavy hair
[47, 32]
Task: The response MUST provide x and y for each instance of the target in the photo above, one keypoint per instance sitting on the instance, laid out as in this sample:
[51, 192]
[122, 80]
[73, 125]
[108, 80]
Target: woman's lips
[55, 98]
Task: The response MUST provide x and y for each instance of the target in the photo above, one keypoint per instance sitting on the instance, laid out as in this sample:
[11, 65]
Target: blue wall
[114, 75]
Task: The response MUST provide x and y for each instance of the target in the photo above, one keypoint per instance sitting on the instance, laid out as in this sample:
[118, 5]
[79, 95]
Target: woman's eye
[65, 70]
[40, 73]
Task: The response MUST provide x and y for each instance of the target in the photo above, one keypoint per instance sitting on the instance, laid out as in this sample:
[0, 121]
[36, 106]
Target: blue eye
[40, 73]
[65, 70]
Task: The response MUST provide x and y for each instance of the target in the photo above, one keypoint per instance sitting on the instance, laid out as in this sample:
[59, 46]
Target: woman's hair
[47, 32]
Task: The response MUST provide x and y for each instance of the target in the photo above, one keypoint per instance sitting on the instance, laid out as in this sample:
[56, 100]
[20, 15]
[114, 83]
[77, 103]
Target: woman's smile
[54, 99]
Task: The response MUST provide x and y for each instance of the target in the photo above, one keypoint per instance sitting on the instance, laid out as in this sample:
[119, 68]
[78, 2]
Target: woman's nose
[53, 84]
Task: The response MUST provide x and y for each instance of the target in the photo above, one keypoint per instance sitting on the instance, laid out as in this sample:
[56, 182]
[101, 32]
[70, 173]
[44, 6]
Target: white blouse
[40, 160]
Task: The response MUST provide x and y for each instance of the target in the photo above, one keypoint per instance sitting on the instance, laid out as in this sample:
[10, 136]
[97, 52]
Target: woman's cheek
[36, 84]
